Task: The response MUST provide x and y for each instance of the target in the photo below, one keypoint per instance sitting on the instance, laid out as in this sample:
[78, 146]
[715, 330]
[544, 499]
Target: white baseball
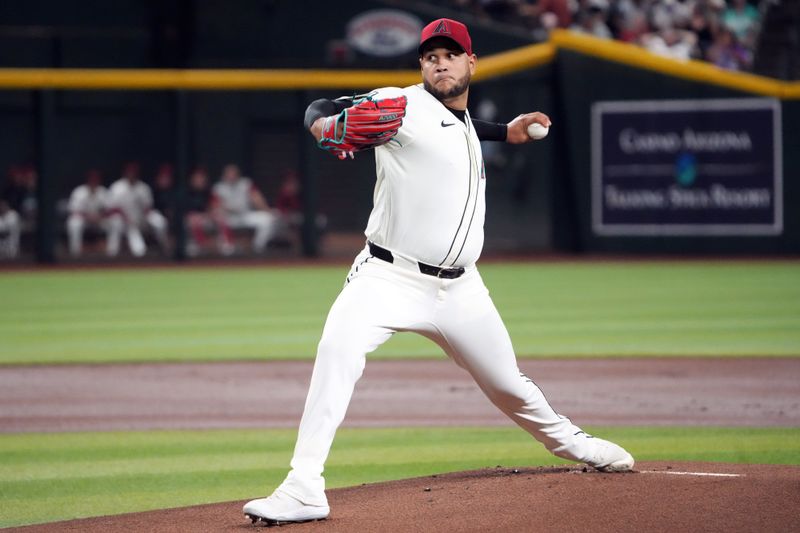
[537, 131]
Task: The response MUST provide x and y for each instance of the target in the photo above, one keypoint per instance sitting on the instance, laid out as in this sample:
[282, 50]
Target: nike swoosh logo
[445, 125]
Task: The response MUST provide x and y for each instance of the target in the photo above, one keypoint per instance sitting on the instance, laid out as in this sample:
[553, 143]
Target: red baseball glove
[366, 124]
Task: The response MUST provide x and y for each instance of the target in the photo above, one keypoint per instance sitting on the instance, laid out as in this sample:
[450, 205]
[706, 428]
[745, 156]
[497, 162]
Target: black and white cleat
[268, 522]
[265, 522]
[260, 520]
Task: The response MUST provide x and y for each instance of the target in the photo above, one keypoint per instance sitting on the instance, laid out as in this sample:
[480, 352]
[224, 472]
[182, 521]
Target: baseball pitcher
[417, 271]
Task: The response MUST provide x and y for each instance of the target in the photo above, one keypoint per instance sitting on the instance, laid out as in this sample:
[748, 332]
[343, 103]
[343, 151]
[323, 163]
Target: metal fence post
[45, 233]
[182, 141]
[308, 177]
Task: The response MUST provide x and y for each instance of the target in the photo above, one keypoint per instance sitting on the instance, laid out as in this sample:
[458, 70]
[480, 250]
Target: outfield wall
[541, 197]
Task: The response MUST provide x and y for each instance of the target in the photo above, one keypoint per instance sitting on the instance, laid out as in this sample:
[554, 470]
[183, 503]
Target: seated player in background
[131, 211]
[164, 195]
[10, 229]
[88, 209]
[241, 205]
[202, 218]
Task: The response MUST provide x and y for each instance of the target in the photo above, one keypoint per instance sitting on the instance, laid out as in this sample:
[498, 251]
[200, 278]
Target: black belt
[438, 272]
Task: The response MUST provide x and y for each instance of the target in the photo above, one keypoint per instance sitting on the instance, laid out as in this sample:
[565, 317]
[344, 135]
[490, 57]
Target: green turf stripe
[87, 474]
[569, 309]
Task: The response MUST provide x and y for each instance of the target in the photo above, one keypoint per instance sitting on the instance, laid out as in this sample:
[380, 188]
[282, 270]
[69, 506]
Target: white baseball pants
[76, 224]
[264, 224]
[381, 299]
[11, 228]
[119, 225]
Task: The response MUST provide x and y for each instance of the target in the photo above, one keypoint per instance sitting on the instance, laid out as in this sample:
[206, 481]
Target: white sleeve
[114, 194]
[147, 196]
[105, 197]
[76, 199]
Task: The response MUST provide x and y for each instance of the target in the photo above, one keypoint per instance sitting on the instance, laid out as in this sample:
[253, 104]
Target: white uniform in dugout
[132, 206]
[87, 207]
[418, 274]
[234, 198]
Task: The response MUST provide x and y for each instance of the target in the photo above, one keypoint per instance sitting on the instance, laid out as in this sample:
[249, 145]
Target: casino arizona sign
[631, 141]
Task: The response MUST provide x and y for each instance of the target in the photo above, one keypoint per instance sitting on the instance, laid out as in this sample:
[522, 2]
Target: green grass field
[88, 474]
[551, 309]
[567, 309]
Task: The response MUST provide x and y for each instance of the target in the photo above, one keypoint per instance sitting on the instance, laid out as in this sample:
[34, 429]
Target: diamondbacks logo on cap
[441, 28]
[449, 29]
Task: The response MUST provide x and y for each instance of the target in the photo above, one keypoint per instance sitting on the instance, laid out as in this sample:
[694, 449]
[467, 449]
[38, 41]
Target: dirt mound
[658, 497]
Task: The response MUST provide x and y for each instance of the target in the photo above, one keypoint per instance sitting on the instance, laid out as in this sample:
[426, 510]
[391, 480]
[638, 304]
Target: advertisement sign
[687, 167]
[384, 32]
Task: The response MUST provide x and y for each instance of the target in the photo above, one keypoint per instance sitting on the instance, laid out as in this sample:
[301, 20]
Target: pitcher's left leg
[476, 338]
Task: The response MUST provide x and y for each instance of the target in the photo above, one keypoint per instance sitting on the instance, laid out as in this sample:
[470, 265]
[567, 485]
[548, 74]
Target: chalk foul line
[675, 473]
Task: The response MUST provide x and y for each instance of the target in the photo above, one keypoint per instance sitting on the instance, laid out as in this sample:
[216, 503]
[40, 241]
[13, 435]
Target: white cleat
[281, 508]
[610, 457]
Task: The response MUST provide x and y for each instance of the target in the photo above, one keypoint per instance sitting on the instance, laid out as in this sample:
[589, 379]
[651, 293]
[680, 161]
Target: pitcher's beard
[457, 90]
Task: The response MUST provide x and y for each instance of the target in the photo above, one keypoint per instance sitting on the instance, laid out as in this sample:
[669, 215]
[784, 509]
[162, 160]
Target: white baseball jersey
[429, 201]
[84, 200]
[134, 200]
[234, 197]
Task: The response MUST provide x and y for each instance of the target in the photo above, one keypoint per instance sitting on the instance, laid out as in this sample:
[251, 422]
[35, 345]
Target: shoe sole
[269, 522]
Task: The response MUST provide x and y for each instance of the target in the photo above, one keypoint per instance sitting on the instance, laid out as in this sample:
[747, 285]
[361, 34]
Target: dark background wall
[257, 129]
[537, 194]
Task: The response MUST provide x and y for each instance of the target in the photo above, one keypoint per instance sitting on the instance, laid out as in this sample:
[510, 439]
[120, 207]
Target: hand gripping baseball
[366, 124]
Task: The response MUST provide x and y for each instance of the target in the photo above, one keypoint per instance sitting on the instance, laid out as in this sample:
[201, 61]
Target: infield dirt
[756, 392]
[659, 497]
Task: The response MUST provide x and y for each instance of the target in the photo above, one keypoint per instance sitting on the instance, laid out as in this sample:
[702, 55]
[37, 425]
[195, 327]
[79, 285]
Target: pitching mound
[665, 497]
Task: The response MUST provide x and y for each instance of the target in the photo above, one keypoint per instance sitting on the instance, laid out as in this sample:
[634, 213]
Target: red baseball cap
[450, 29]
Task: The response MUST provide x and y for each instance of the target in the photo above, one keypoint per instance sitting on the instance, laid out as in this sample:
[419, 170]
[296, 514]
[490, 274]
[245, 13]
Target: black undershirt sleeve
[490, 131]
[325, 108]
[486, 131]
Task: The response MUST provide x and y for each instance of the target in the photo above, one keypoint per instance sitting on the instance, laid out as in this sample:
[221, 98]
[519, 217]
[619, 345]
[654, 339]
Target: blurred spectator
[742, 19]
[660, 26]
[241, 205]
[88, 209]
[668, 14]
[727, 52]
[200, 218]
[10, 229]
[164, 191]
[628, 20]
[591, 19]
[20, 192]
[290, 207]
[551, 13]
[131, 205]
[671, 42]
[705, 24]
[288, 200]
[10, 220]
